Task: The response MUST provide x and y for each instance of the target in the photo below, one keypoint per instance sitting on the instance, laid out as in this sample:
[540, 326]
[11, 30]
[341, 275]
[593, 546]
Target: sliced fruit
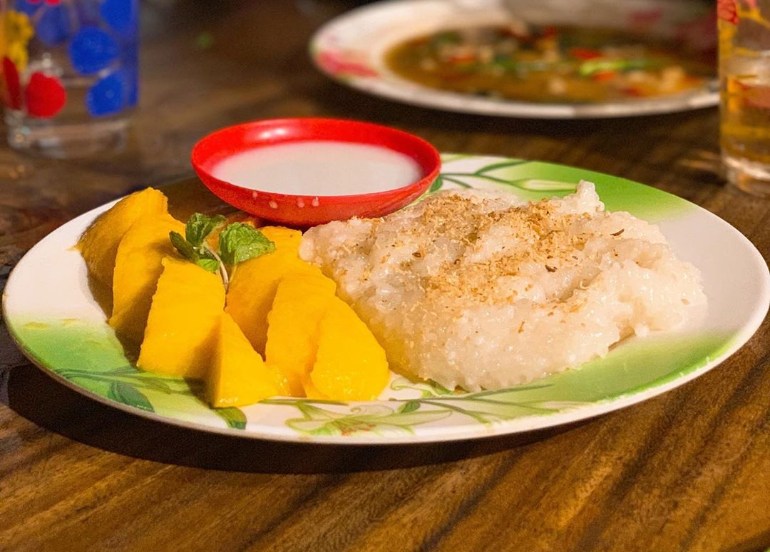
[301, 299]
[254, 282]
[285, 239]
[238, 375]
[180, 336]
[137, 269]
[350, 364]
[99, 243]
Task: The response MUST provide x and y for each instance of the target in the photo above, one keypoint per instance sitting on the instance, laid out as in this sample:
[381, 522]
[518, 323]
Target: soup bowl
[307, 171]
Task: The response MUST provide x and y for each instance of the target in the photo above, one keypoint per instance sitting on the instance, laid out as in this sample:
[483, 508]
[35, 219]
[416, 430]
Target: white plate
[351, 50]
[54, 319]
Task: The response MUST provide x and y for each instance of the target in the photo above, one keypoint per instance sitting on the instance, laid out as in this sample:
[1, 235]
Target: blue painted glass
[108, 95]
[91, 50]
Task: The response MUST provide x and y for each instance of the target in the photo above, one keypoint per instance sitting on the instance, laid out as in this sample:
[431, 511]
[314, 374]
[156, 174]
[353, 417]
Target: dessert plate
[57, 323]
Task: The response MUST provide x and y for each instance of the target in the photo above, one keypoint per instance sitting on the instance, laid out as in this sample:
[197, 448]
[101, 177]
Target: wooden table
[689, 470]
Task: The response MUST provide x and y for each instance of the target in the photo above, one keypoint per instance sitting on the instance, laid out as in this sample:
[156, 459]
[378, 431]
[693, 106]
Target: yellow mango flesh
[99, 243]
[184, 317]
[254, 283]
[238, 375]
[292, 332]
[350, 364]
[137, 269]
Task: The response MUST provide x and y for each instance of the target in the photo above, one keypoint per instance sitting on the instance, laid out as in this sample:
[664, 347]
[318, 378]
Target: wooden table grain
[689, 470]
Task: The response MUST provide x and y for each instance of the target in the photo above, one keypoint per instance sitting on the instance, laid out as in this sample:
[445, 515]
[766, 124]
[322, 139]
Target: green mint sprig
[238, 242]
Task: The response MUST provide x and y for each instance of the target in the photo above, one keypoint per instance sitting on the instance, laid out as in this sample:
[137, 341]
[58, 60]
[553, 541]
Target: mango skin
[350, 364]
[137, 269]
[238, 375]
[99, 243]
[254, 283]
[180, 336]
[301, 299]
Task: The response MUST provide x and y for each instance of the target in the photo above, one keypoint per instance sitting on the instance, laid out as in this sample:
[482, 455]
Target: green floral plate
[56, 322]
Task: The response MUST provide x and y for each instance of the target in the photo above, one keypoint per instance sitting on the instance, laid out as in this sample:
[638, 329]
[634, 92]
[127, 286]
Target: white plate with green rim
[351, 49]
[60, 327]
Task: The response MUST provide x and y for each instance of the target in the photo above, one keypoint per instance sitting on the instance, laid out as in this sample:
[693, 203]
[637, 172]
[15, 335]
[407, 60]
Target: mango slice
[286, 240]
[137, 269]
[350, 364]
[238, 375]
[180, 336]
[99, 243]
[253, 285]
[301, 299]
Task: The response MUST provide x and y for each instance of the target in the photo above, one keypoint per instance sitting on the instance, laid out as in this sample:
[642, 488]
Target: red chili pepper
[462, 58]
[584, 54]
[632, 92]
[604, 76]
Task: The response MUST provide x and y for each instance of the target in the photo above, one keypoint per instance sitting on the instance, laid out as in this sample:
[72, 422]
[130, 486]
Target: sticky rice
[481, 290]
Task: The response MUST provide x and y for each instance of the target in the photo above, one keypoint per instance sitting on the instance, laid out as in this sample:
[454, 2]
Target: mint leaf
[199, 255]
[240, 242]
[199, 226]
[184, 247]
[208, 263]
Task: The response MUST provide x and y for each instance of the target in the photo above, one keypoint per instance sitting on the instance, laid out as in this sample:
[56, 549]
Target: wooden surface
[689, 470]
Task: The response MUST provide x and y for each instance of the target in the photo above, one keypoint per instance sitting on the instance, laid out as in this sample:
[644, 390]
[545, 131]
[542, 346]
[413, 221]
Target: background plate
[351, 48]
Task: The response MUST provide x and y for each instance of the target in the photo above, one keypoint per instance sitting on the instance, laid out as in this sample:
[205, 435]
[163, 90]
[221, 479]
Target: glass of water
[69, 73]
[744, 74]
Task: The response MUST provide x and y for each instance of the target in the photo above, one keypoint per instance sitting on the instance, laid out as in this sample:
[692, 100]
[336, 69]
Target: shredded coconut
[481, 290]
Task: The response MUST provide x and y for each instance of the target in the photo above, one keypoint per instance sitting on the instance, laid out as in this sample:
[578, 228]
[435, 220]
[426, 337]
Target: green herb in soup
[551, 64]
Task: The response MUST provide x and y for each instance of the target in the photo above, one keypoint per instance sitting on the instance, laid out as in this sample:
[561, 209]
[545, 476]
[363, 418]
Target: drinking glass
[69, 73]
[744, 74]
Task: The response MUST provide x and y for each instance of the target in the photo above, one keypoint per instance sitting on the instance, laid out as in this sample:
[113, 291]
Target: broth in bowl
[551, 64]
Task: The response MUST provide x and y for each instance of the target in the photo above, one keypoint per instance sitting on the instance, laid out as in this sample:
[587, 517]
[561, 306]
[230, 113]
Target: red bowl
[309, 210]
